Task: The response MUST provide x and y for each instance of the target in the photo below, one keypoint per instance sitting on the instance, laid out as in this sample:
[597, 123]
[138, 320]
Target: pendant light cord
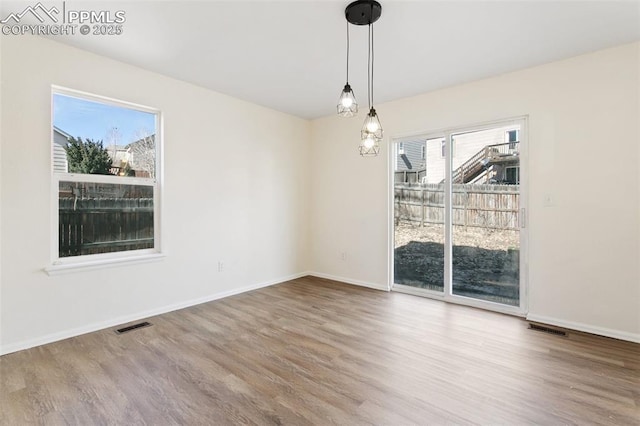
[369, 70]
[372, 60]
[347, 52]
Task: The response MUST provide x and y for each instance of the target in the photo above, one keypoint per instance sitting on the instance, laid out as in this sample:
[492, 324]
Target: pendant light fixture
[371, 133]
[347, 105]
[366, 12]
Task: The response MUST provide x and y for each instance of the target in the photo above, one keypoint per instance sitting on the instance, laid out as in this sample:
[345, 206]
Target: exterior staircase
[482, 161]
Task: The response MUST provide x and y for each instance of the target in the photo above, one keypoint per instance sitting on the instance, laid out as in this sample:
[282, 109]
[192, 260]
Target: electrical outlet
[220, 266]
[343, 256]
[548, 200]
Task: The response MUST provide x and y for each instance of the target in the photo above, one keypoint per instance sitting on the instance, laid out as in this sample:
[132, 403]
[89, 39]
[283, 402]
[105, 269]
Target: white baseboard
[601, 331]
[54, 337]
[349, 281]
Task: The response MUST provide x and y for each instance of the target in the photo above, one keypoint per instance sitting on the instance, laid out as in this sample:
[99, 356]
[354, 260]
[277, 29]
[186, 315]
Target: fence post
[466, 202]
[423, 205]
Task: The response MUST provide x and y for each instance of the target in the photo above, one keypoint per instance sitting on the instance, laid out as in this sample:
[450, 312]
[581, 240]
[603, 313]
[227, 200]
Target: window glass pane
[513, 175]
[419, 217]
[91, 137]
[103, 217]
[485, 213]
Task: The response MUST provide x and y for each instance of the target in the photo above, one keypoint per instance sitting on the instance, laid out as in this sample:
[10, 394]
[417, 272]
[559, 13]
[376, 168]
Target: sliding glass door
[458, 216]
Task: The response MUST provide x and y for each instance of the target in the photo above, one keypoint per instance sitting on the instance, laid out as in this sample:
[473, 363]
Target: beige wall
[258, 217]
[235, 191]
[583, 125]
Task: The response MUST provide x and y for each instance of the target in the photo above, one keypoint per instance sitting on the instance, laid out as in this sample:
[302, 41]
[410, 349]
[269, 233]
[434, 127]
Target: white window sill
[66, 268]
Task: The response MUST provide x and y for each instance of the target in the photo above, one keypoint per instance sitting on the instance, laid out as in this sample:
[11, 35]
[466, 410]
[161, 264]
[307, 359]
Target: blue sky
[97, 121]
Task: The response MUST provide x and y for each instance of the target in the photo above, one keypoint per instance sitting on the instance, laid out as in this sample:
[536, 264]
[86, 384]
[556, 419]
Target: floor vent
[549, 330]
[133, 327]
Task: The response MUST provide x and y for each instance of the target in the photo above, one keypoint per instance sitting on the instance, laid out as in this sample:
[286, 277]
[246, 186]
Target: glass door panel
[485, 207]
[419, 214]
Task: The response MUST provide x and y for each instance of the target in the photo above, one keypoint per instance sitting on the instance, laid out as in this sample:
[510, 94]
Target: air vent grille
[133, 327]
[549, 330]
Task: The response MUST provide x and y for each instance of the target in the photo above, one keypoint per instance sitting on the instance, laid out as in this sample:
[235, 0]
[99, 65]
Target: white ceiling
[290, 55]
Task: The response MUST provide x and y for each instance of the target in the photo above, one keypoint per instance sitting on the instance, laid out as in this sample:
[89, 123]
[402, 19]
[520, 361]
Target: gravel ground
[485, 261]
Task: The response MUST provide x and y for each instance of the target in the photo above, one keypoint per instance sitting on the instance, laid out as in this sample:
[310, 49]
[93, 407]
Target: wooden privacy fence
[102, 225]
[484, 206]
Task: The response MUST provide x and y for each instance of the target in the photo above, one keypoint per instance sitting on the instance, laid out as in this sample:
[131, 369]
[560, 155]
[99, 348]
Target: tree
[87, 157]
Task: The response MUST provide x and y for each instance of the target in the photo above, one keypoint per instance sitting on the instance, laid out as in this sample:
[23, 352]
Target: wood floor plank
[316, 352]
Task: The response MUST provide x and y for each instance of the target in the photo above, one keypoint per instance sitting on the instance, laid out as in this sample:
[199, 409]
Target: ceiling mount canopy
[363, 12]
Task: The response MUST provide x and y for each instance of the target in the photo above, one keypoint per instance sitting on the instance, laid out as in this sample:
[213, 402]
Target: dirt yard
[489, 239]
[485, 261]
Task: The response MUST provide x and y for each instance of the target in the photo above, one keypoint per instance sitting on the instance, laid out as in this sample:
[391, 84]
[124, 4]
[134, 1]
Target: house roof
[62, 132]
[152, 137]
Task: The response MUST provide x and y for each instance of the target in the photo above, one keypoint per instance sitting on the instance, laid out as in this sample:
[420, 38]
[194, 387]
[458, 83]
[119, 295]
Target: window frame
[443, 149]
[512, 143]
[91, 261]
[516, 174]
[514, 132]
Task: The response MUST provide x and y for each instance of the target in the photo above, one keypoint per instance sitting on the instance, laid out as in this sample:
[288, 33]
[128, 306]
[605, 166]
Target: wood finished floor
[313, 351]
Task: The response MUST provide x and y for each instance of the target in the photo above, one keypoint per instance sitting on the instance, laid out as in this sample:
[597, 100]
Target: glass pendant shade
[371, 126]
[347, 105]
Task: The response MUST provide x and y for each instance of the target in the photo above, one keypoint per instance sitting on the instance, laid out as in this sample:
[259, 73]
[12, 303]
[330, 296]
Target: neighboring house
[142, 156]
[410, 161]
[60, 138]
[489, 156]
[411, 155]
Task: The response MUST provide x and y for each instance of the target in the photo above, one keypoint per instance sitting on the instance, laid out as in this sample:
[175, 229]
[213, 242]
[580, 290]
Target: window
[512, 139]
[105, 168]
[512, 175]
[444, 148]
